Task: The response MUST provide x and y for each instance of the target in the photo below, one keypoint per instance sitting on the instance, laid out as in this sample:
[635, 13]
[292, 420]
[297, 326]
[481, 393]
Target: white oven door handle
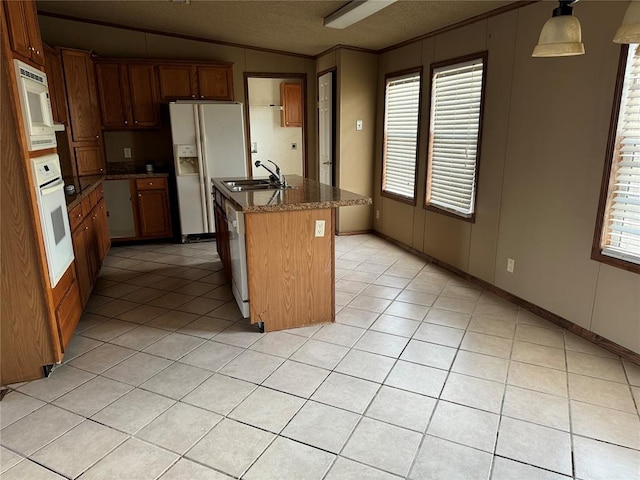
[55, 186]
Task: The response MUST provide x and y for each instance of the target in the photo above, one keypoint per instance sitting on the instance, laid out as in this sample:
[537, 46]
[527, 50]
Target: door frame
[303, 80]
[334, 159]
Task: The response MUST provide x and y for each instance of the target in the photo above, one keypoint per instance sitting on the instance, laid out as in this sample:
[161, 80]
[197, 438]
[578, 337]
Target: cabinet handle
[139, 194]
[97, 137]
[79, 215]
[150, 183]
[193, 96]
[135, 121]
[126, 123]
[201, 96]
[37, 52]
[86, 228]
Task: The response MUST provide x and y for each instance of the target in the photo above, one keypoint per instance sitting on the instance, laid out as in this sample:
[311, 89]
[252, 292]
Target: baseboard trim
[357, 232]
[541, 312]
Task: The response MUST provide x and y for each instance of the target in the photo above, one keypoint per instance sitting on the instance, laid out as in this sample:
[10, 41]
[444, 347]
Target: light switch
[127, 153]
[319, 228]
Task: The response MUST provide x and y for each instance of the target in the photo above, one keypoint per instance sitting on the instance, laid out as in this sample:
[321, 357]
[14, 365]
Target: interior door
[325, 127]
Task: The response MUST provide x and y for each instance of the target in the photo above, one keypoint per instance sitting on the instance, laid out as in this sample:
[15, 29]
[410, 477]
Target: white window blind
[402, 107]
[621, 230]
[456, 97]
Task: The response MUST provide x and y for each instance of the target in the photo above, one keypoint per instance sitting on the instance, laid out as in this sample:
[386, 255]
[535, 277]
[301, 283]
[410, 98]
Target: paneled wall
[546, 123]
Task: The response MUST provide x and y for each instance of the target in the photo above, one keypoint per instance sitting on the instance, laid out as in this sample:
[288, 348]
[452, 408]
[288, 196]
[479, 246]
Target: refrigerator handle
[208, 200]
[203, 171]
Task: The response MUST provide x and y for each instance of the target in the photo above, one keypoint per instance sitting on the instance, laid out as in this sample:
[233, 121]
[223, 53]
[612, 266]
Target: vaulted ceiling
[291, 26]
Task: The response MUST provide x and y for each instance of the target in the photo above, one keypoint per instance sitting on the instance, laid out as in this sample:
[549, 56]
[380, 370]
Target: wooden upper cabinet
[144, 99]
[215, 82]
[127, 94]
[112, 91]
[90, 160]
[195, 82]
[55, 79]
[176, 82]
[291, 96]
[82, 95]
[24, 31]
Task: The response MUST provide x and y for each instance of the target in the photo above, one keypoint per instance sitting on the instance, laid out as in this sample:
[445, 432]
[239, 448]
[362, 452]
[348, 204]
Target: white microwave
[36, 107]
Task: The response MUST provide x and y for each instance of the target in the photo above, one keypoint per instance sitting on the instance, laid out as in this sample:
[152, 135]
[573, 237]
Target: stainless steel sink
[246, 185]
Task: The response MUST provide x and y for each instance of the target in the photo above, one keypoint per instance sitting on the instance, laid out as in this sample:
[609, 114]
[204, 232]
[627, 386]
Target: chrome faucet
[276, 177]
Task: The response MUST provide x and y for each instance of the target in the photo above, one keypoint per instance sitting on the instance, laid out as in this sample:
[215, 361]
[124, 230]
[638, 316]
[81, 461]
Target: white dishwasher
[238, 251]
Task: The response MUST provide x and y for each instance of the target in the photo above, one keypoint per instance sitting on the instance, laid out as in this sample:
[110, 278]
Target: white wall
[273, 140]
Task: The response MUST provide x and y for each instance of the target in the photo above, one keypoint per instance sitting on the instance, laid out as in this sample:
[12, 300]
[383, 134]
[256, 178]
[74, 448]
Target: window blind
[402, 107]
[621, 235]
[456, 97]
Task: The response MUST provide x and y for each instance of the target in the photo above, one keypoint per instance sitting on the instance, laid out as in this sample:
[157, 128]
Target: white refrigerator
[208, 141]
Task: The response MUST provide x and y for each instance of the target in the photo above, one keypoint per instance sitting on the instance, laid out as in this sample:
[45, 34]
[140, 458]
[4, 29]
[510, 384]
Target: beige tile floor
[423, 376]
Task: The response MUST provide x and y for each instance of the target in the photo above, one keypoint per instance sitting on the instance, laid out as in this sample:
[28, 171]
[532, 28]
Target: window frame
[484, 56]
[596, 250]
[410, 201]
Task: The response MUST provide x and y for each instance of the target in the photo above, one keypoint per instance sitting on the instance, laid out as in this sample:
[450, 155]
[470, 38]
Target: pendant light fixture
[561, 35]
[629, 31]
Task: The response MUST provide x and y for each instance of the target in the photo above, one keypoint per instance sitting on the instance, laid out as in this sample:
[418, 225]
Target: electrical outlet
[294, 146]
[511, 264]
[377, 214]
[319, 228]
[358, 124]
[127, 153]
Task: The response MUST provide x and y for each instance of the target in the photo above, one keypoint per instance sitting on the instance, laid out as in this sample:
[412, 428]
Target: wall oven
[36, 107]
[53, 215]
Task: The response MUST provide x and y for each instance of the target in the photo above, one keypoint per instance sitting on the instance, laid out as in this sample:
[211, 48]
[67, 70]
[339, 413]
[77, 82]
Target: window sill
[598, 256]
[399, 198]
[465, 218]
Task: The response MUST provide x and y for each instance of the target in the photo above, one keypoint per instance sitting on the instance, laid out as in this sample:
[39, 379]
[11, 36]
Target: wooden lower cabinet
[154, 215]
[68, 313]
[90, 237]
[222, 239]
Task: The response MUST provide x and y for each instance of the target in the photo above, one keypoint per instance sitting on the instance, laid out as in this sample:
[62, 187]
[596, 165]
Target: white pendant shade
[561, 36]
[629, 31]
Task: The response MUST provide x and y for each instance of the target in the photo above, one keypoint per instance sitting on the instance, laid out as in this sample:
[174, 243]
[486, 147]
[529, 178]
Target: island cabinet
[195, 82]
[289, 244]
[128, 95]
[24, 31]
[90, 237]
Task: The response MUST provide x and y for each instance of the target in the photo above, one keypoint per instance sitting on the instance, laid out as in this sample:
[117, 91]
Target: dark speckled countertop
[307, 194]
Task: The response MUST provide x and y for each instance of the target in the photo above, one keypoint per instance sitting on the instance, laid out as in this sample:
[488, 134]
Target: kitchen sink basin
[246, 185]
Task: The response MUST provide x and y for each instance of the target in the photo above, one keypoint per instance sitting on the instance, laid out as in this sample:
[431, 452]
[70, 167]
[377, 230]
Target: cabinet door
[68, 313]
[222, 239]
[176, 82]
[113, 93]
[55, 79]
[102, 230]
[81, 95]
[144, 103]
[89, 160]
[84, 272]
[24, 32]
[215, 82]
[291, 94]
[153, 213]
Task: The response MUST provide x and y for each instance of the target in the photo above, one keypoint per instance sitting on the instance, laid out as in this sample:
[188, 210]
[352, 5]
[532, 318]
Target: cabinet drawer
[154, 183]
[75, 217]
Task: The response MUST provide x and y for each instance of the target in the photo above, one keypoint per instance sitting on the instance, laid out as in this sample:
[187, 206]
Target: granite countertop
[307, 194]
[124, 176]
[82, 186]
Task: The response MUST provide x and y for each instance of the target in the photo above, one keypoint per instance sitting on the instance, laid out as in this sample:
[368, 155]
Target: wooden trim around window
[484, 56]
[541, 312]
[393, 196]
[596, 249]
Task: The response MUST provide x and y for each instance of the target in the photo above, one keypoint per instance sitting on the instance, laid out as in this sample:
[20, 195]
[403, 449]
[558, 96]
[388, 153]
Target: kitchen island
[289, 239]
